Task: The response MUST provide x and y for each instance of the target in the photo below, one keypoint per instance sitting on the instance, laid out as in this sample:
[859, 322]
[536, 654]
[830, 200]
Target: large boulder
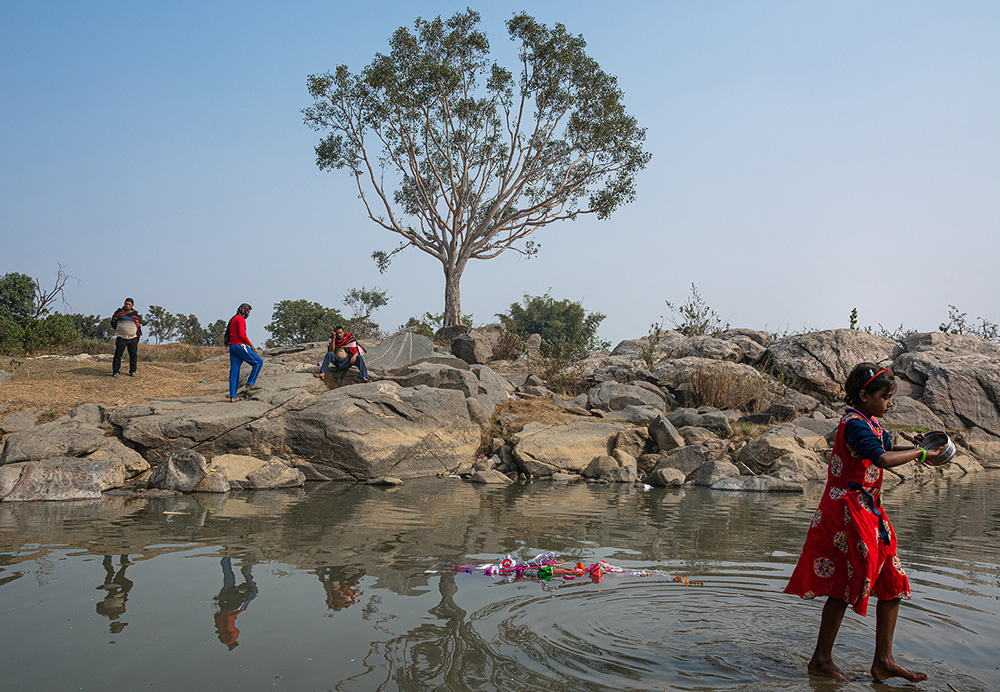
[759, 484]
[614, 396]
[959, 376]
[472, 348]
[912, 413]
[181, 472]
[542, 450]
[785, 440]
[674, 373]
[364, 431]
[819, 362]
[665, 435]
[63, 478]
[112, 449]
[712, 472]
[16, 422]
[60, 438]
[399, 351]
[687, 460]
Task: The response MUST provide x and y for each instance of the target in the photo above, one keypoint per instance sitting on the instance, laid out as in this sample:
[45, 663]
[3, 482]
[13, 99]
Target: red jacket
[237, 331]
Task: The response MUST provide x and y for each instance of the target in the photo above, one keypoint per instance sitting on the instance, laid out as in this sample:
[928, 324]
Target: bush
[567, 331]
[508, 346]
[11, 336]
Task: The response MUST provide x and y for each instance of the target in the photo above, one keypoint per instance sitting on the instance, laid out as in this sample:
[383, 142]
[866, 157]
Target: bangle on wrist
[923, 455]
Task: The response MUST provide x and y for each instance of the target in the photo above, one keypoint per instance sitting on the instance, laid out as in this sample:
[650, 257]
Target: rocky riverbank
[734, 411]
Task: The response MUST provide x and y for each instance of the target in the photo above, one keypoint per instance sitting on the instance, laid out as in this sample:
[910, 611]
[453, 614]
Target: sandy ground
[54, 387]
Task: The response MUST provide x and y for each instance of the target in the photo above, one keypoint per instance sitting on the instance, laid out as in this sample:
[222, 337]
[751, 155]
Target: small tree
[190, 331]
[362, 303]
[17, 297]
[694, 317]
[567, 331]
[161, 325]
[301, 321]
[480, 157]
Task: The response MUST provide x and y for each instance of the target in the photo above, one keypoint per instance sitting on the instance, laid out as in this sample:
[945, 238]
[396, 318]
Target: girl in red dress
[850, 549]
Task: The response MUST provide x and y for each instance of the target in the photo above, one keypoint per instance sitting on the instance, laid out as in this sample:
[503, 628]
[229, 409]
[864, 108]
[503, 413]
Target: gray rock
[798, 467]
[624, 458]
[634, 441]
[599, 466]
[758, 484]
[620, 474]
[542, 450]
[717, 421]
[760, 455]
[960, 376]
[399, 351]
[472, 348]
[63, 437]
[181, 472]
[490, 476]
[614, 396]
[446, 335]
[666, 477]
[986, 447]
[275, 474]
[638, 415]
[16, 422]
[215, 481]
[665, 435]
[909, 412]
[112, 449]
[5, 376]
[686, 417]
[380, 429]
[712, 472]
[819, 362]
[41, 481]
[687, 460]
[387, 481]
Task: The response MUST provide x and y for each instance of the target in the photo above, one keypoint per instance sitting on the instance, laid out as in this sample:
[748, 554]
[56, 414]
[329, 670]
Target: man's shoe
[116, 375]
[131, 374]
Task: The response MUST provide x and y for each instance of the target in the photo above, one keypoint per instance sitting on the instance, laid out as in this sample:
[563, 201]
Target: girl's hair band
[875, 375]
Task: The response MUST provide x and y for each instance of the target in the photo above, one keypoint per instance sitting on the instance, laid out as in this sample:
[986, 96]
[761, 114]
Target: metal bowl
[936, 440]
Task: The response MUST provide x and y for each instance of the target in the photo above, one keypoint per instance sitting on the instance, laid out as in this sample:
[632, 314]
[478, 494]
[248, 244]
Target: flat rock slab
[399, 351]
[758, 484]
[61, 478]
[63, 437]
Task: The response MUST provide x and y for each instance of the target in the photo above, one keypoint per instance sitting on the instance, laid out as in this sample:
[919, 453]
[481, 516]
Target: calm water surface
[335, 587]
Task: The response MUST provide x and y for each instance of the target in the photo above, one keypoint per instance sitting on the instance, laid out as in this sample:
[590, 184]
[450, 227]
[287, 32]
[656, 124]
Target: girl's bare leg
[821, 662]
[885, 666]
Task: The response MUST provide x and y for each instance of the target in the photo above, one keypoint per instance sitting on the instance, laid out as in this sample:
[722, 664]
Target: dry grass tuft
[718, 387]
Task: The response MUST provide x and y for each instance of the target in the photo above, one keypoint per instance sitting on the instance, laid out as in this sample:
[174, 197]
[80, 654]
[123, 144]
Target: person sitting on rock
[342, 352]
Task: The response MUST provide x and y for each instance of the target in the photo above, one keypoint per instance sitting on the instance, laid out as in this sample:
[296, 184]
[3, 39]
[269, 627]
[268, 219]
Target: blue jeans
[238, 354]
[331, 359]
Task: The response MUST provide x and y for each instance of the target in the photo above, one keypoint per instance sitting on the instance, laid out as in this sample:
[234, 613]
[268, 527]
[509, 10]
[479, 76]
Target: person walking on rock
[240, 351]
[127, 326]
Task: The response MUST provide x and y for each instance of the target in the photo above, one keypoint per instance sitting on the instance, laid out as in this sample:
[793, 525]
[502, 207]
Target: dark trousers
[133, 354]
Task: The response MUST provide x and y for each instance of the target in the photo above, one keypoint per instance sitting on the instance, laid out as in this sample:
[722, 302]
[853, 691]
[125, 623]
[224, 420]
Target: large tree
[464, 160]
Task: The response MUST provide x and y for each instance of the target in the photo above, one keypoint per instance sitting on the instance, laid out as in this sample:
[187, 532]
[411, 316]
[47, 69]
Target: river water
[340, 587]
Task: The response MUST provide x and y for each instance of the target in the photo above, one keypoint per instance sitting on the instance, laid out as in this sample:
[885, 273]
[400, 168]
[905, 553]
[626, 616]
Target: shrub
[567, 331]
[509, 345]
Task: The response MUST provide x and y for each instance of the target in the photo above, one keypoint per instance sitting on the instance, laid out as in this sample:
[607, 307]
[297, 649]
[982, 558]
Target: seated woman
[344, 351]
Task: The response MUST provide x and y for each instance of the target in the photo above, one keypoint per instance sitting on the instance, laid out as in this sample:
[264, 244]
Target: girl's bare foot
[891, 669]
[827, 669]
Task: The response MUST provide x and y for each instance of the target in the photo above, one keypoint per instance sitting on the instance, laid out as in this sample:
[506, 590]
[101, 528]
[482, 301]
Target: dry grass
[720, 388]
[58, 386]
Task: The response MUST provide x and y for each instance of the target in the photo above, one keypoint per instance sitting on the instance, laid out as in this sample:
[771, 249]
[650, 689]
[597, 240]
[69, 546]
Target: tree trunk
[453, 293]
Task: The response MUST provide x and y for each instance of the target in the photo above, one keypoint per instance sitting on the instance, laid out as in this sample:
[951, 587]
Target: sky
[808, 158]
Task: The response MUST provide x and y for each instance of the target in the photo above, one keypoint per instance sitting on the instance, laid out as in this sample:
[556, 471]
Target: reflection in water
[416, 628]
[232, 600]
[117, 586]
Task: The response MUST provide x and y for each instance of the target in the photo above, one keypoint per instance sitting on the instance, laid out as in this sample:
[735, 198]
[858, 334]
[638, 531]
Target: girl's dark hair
[243, 310]
[867, 377]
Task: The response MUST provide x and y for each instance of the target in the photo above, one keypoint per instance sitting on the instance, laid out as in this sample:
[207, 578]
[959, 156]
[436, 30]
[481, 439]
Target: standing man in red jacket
[240, 351]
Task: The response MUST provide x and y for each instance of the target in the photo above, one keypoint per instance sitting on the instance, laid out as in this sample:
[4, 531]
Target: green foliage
[52, 331]
[91, 326]
[426, 324]
[854, 318]
[694, 317]
[653, 339]
[958, 324]
[216, 333]
[160, 324]
[301, 321]
[363, 302]
[190, 331]
[483, 157]
[17, 297]
[11, 335]
[567, 331]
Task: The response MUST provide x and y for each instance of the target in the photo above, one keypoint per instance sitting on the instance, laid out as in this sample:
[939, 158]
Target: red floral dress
[850, 549]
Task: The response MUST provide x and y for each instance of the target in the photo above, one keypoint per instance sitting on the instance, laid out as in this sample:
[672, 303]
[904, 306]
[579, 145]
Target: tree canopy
[567, 330]
[466, 159]
[301, 321]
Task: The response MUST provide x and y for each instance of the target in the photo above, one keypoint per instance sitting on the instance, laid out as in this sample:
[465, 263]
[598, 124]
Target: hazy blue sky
[808, 158]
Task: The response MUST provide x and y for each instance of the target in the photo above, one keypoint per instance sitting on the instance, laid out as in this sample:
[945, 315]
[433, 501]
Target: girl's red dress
[850, 549]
